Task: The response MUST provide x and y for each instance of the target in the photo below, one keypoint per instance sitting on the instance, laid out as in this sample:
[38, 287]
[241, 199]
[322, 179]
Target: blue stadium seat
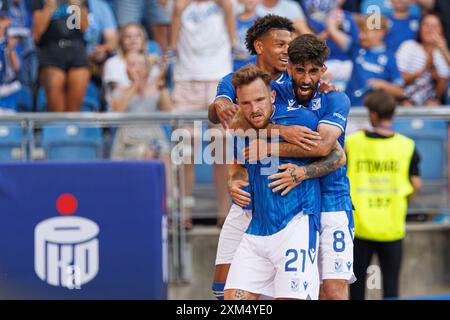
[24, 100]
[431, 138]
[41, 103]
[91, 99]
[10, 142]
[91, 102]
[72, 142]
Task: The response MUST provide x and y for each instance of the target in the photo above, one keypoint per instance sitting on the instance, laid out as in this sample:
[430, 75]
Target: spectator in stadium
[143, 95]
[204, 56]
[21, 25]
[383, 169]
[339, 63]
[318, 9]
[63, 63]
[101, 36]
[9, 62]
[151, 12]
[374, 65]
[424, 64]
[385, 7]
[287, 9]
[402, 25]
[244, 21]
[132, 39]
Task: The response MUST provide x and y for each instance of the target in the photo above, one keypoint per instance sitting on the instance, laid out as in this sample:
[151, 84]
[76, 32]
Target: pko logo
[66, 248]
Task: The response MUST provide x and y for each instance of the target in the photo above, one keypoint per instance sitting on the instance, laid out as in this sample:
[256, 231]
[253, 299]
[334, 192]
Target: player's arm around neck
[297, 147]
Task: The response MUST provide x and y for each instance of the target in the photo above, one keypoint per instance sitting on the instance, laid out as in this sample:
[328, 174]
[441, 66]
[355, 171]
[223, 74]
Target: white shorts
[233, 229]
[336, 246]
[282, 265]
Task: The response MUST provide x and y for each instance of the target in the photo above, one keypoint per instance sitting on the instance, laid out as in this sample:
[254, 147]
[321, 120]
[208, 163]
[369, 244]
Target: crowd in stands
[63, 55]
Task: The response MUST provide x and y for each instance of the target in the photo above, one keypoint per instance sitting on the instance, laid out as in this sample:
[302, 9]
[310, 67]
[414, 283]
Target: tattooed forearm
[293, 174]
[324, 166]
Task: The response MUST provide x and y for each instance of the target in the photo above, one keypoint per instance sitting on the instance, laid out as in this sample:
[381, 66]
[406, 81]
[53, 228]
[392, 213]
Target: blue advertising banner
[84, 230]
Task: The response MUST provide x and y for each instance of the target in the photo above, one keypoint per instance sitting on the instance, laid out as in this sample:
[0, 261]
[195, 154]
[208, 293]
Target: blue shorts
[137, 10]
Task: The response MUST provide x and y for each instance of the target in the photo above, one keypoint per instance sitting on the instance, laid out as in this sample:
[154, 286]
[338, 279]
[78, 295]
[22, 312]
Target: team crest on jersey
[292, 105]
[382, 59]
[338, 265]
[316, 104]
[414, 25]
[295, 285]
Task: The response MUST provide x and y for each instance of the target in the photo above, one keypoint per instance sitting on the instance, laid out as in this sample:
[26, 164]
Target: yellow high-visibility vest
[378, 170]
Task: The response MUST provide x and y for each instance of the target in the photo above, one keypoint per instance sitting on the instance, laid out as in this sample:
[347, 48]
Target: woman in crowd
[424, 64]
[132, 39]
[63, 64]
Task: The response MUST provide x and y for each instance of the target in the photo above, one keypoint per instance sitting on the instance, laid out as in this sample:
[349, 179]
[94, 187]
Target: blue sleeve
[225, 89]
[337, 109]
[106, 16]
[354, 31]
[280, 91]
[394, 74]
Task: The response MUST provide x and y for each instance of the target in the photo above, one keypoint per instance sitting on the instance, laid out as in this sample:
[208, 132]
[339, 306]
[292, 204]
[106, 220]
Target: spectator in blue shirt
[101, 36]
[9, 62]
[375, 67]
[244, 21]
[385, 6]
[339, 63]
[21, 24]
[403, 25]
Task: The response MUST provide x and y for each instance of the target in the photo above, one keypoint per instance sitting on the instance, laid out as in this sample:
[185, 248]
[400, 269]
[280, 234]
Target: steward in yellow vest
[378, 169]
[384, 174]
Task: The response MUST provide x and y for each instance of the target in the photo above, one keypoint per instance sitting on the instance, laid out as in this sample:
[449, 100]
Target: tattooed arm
[293, 175]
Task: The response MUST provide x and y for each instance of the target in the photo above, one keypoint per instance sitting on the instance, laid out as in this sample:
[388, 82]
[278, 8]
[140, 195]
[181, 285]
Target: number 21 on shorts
[292, 255]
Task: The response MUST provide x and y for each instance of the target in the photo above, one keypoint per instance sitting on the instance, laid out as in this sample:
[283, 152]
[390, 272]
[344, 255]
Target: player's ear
[324, 69]
[257, 44]
[273, 95]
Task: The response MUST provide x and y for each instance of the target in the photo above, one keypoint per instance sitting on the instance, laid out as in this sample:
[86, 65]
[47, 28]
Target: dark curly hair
[308, 48]
[262, 25]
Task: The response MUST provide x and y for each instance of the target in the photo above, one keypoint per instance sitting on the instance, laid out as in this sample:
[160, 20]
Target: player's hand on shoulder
[239, 196]
[301, 136]
[290, 177]
[225, 111]
[327, 86]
